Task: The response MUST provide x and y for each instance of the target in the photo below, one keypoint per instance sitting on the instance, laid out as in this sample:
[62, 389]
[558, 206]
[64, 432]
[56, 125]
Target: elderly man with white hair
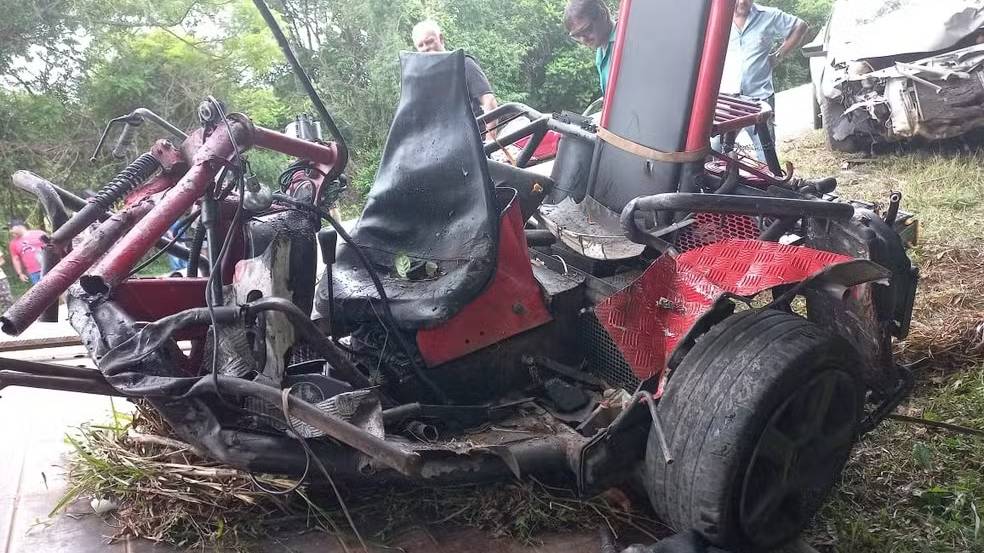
[427, 37]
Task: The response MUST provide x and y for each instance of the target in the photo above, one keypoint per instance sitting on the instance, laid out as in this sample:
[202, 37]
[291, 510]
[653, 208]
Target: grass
[909, 489]
[166, 493]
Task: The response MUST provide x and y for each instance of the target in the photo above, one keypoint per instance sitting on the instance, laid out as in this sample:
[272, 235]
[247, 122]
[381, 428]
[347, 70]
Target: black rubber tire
[830, 112]
[817, 115]
[738, 380]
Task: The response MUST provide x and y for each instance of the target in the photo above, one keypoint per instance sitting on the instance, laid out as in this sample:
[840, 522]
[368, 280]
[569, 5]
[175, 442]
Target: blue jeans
[177, 263]
[34, 277]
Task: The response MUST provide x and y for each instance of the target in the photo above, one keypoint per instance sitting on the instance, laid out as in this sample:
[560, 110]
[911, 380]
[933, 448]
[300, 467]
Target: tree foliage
[68, 66]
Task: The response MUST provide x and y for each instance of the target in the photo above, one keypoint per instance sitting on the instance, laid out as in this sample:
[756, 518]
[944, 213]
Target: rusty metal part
[49, 369]
[76, 203]
[39, 343]
[37, 298]
[213, 154]
[404, 461]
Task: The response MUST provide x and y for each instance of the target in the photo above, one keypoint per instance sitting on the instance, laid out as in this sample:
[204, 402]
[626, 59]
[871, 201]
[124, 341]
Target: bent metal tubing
[216, 151]
[37, 298]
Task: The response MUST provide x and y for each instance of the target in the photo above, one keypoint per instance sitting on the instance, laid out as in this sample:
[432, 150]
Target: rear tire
[830, 112]
[760, 417]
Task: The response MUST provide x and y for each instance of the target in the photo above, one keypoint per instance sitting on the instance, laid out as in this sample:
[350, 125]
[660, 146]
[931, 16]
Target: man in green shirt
[590, 23]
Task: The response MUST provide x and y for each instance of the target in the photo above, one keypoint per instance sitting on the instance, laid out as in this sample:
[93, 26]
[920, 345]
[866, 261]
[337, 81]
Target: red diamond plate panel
[649, 318]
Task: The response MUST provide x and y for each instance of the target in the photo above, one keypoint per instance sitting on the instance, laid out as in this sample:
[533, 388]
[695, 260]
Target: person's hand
[775, 58]
[23, 277]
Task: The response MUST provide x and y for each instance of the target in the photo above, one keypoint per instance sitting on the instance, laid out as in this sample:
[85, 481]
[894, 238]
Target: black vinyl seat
[432, 201]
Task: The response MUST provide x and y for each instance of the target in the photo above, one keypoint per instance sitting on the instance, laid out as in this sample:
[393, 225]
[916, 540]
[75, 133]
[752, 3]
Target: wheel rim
[797, 457]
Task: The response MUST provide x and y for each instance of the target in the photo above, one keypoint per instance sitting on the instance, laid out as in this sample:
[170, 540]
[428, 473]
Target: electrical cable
[216, 269]
[285, 395]
[294, 168]
[185, 225]
[307, 459]
[378, 284]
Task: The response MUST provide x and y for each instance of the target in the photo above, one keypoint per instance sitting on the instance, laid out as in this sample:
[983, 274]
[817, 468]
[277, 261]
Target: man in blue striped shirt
[752, 54]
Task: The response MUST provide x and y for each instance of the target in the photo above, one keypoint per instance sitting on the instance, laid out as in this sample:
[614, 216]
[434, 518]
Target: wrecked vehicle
[716, 335]
[889, 71]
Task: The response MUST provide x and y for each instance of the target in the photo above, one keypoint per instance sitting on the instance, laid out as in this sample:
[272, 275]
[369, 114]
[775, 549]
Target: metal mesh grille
[604, 358]
[714, 227]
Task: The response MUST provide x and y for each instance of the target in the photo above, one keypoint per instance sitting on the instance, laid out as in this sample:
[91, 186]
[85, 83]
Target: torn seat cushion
[432, 201]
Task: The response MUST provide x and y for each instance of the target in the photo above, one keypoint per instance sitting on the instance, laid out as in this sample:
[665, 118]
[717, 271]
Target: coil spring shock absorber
[135, 174]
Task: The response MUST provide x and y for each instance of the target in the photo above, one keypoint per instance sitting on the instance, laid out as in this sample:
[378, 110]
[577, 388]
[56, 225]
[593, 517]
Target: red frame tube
[716, 37]
[209, 158]
[295, 147]
[623, 29]
[29, 307]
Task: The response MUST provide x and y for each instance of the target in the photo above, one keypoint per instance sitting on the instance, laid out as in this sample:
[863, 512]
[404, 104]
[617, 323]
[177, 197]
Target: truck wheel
[830, 112]
[760, 417]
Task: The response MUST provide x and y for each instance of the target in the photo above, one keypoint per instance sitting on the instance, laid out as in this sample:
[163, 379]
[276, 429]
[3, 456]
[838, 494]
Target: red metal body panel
[512, 303]
[649, 318]
[151, 299]
[706, 100]
[546, 149]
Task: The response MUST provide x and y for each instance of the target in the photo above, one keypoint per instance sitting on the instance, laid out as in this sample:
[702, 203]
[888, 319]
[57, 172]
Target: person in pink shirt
[26, 248]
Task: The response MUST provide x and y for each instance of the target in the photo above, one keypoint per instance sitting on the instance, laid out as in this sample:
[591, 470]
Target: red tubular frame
[210, 157]
[709, 75]
[37, 298]
[623, 29]
[295, 147]
[215, 152]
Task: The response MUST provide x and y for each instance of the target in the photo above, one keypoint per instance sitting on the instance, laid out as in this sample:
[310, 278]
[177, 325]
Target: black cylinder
[571, 169]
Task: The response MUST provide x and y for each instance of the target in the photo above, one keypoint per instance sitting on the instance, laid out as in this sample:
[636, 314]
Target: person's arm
[18, 267]
[488, 104]
[793, 41]
[479, 87]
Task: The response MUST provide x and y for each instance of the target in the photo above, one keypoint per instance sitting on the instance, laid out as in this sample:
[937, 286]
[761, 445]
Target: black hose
[346, 370]
[195, 252]
[725, 203]
[302, 76]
